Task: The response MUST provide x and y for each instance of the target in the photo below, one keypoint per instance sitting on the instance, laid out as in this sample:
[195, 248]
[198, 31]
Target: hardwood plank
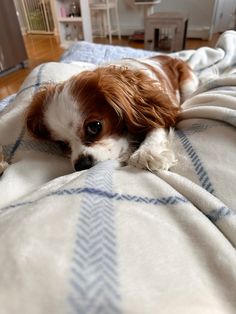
[46, 48]
[40, 49]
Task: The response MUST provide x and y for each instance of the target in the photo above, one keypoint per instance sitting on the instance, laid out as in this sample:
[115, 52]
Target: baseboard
[199, 32]
[202, 32]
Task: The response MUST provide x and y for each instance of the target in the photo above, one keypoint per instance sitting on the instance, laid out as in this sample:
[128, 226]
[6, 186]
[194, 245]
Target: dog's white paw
[153, 159]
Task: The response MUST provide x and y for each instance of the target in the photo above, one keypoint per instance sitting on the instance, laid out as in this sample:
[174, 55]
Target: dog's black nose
[84, 162]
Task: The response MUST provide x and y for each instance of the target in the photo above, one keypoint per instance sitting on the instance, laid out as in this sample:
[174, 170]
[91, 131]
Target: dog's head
[96, 112]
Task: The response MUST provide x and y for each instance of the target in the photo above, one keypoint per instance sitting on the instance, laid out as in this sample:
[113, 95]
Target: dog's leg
[155, 153]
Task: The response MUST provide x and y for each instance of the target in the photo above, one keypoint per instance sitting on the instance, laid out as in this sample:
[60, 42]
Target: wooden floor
[45, 48]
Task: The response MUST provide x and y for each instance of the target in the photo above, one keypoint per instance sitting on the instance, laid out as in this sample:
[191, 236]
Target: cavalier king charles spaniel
[120, 111]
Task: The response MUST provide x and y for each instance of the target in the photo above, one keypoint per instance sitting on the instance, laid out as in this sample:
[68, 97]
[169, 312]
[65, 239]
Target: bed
[115, 239]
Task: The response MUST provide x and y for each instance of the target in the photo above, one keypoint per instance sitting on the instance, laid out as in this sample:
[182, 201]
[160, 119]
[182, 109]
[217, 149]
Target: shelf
[69, 27]
[70, 19]
[141, 2]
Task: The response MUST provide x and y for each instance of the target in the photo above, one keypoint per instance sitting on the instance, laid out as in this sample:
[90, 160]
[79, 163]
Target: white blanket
[123, 240]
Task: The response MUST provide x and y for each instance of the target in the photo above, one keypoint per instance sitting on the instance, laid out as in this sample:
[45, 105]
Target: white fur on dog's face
[96, 112]
[65, 118]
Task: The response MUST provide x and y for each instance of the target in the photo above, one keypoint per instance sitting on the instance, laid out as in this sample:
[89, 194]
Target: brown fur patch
[87, 90]
[35, 113]
[176, 70]
[136, 99]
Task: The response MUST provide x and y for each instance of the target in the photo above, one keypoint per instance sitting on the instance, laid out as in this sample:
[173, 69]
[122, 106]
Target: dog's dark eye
[93, 128]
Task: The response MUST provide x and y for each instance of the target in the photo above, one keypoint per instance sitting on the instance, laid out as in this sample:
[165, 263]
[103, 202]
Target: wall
[225, 18]
[202, 14]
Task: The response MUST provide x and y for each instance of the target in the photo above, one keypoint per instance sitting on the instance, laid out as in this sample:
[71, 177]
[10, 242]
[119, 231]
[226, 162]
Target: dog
[120, 111]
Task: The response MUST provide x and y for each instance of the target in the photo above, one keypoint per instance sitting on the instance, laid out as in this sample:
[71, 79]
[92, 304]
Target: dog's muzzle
[84, 162]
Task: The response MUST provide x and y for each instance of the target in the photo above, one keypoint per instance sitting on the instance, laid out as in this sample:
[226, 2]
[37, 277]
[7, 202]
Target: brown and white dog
[121, 111]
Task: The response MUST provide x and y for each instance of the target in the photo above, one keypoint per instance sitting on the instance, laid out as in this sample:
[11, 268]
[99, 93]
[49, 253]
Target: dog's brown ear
[140, 101]
[35, 114]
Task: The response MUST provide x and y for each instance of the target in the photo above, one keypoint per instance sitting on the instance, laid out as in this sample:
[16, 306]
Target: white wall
[201, 15]
[225, 18]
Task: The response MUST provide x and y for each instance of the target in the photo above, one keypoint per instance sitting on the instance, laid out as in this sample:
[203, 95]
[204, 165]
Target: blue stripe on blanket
[197, 163]
[94, 276]
[33, 86]
[168, 200]
[200, 126]
[214, 215]
[16, 145]
[217, 214]
[22, 132]
[6, 101]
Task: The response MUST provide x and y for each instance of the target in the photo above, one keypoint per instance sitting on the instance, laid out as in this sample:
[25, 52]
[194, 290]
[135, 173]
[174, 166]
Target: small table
[166, 31]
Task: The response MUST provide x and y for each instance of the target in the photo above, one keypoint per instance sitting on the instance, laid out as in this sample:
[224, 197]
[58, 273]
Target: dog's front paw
[153, 159]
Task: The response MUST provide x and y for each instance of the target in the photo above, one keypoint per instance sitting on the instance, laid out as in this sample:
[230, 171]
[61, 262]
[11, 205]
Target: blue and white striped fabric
[6, 101]
[99, 53]
[117, 239]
